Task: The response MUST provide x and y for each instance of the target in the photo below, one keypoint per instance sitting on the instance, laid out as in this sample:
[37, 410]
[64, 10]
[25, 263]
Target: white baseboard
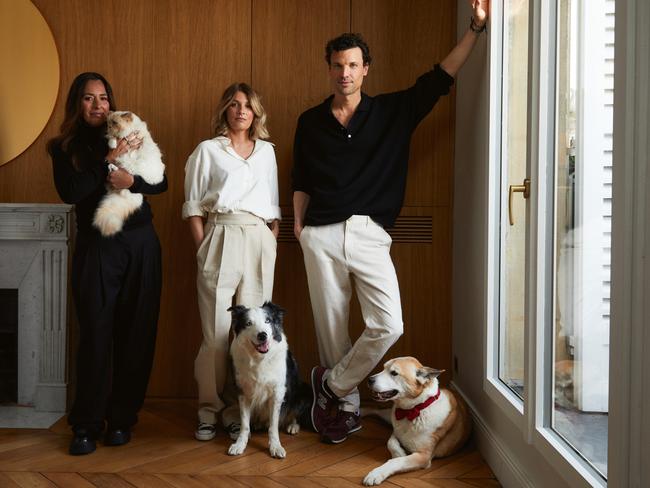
[498, 455]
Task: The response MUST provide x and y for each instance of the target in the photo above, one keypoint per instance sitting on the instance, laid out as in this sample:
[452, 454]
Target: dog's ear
[238, 312]
[426, 374]
[275, 311]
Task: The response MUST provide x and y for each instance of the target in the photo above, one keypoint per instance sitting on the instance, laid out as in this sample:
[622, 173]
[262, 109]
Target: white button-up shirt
[217, 179]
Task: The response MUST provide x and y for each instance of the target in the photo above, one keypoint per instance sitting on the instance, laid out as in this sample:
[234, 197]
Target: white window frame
[629, 391]
[498, 392]
[530, 417]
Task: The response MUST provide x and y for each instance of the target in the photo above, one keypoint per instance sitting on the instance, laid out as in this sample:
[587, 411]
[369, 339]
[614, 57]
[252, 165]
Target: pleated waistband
[235, 218]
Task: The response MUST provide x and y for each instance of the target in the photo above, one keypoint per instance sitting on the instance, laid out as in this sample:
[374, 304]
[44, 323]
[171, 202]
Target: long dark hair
[73, 120]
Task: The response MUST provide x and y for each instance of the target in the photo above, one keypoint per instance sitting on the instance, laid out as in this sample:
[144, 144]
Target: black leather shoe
[117, 437]
[82, 443]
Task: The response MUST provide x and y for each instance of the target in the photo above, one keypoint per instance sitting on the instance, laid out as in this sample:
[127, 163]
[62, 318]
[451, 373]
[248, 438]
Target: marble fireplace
[34, 241]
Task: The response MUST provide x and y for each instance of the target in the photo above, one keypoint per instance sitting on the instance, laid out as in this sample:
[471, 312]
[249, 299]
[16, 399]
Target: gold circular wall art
[29, 79]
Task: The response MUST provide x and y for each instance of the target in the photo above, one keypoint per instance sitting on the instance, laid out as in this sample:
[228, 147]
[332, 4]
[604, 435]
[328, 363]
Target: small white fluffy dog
[428, 422]
[270, 392]
[146, 162]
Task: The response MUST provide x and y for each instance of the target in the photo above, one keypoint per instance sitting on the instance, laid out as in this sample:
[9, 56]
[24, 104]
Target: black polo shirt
[361, 169]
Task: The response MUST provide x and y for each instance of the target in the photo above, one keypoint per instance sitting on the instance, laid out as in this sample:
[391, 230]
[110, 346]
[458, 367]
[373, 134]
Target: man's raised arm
[459, 54]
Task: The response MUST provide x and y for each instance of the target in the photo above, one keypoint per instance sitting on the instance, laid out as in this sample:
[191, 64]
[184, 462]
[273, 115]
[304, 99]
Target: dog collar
[413, 413]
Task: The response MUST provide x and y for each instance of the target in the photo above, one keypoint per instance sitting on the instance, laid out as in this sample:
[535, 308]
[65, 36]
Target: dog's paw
[293, 428]
[375, 477]
[277, 451]
[236, 448]
[395, 448]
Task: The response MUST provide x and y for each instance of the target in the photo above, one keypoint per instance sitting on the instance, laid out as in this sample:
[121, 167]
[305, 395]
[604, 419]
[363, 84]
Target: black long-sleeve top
[361, 169]
[86, 186]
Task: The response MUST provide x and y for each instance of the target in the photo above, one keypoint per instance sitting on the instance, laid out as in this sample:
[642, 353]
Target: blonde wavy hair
[258, 127]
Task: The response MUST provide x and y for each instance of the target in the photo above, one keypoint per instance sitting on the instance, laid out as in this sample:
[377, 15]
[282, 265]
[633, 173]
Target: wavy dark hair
[73, 119]
[347, 41]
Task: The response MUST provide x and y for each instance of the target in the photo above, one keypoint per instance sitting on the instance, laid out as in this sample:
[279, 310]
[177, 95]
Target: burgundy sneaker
[324, 403]
[338, 430]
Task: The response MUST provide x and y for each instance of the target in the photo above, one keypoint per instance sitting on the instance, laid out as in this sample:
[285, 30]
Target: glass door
[512, 221]
[551, 124]
[582, 169]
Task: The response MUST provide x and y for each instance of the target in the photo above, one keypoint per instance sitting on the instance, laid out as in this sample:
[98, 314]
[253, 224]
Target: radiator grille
[407, 229]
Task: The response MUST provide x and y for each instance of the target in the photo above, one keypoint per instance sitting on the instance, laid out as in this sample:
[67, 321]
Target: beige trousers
[357, 252]
[236, 259]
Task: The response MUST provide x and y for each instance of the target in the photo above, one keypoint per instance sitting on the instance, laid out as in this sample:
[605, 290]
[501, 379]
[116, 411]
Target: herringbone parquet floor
[163, 453]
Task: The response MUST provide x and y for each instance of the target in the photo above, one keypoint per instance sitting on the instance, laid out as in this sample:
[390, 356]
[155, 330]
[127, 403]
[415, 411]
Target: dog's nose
[262, 337]
[371, 380]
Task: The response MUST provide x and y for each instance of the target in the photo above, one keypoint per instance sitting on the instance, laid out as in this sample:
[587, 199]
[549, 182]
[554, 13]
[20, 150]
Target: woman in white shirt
[231, 199]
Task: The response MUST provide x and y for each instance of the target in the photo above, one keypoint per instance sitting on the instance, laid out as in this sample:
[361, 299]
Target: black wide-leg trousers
[116, 283]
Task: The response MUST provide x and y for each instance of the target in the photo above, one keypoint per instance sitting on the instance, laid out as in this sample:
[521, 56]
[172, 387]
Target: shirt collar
[223, 140]
[226, 145]
[364, 104]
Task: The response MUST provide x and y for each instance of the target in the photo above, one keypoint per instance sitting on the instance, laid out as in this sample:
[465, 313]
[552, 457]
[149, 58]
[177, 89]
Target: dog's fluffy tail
[114, 209]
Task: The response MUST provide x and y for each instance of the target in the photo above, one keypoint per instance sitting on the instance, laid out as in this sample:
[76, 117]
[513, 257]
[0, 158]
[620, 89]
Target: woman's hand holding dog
[120, 179]
[129, 143]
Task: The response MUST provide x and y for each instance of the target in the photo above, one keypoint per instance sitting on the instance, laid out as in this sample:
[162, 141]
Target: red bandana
[413, 413]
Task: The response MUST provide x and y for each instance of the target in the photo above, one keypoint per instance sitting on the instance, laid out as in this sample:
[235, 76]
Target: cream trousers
[357, 252]
[236, 259]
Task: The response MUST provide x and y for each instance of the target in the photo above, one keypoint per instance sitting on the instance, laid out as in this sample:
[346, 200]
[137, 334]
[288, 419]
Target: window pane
[583, 171]
[513, 166]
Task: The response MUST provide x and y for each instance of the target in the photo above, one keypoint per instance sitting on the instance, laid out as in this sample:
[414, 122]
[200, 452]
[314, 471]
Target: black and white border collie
[266, 374]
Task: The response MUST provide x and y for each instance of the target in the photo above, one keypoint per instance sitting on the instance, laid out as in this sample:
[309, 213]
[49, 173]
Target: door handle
[525, 189]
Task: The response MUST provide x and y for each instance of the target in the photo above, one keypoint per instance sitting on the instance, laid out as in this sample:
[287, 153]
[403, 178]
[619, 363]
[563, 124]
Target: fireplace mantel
[34, 260]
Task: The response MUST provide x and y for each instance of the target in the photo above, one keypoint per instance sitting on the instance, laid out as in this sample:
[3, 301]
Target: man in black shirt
[349, 178]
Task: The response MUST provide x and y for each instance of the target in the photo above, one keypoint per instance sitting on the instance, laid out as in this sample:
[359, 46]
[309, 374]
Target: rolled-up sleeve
[427, 90]
[197, 178]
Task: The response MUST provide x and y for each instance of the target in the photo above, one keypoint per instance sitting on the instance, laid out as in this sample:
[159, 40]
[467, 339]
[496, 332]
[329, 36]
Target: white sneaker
[205, 432]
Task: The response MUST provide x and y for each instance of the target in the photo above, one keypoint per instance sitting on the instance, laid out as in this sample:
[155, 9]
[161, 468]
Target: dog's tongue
[263, 348]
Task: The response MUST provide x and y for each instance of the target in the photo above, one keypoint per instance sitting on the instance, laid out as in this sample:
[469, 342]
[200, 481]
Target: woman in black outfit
[116, 281]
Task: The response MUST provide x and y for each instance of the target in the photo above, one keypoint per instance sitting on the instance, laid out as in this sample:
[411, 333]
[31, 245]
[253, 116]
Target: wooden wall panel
[289, 67]
[170, 60]
[406, 38]
[290, 71]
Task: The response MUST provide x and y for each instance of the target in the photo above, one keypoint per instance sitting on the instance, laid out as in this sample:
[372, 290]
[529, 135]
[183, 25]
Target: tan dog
[428, 422]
